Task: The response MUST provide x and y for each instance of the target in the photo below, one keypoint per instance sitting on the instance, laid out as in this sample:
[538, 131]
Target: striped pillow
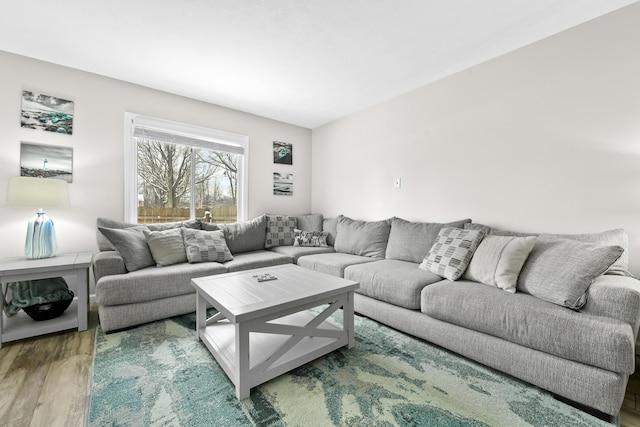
[451, 253]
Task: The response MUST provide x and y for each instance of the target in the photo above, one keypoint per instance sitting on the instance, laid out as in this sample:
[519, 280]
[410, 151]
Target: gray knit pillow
[205, 246]
[451, 253]
[132, 246]
[561, 270]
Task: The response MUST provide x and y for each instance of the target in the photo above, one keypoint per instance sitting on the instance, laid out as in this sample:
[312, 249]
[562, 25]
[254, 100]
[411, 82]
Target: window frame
[207, 138]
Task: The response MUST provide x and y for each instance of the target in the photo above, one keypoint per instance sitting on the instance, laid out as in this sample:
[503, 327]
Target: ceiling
[305, 62]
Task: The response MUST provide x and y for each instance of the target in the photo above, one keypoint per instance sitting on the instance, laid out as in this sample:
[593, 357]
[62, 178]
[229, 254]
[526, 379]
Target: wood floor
[44, 381]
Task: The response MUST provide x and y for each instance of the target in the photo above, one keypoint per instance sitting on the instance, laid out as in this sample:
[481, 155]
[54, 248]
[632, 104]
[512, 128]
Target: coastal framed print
[282, 153]
[45, 112]
[282, 184]
[46, 161]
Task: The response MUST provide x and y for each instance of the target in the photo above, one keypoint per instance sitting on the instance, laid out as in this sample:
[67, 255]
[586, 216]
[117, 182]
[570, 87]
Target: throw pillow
[167, 247]
[498, 260]
[131, 244]
[362, 237]
[411, 241]
[561, 270]
[311, 238]
[245, 236]
[451, 253]
[205, 246]
[280, 231]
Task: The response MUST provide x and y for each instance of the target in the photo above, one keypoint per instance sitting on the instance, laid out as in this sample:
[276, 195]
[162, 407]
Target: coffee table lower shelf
[266, 350]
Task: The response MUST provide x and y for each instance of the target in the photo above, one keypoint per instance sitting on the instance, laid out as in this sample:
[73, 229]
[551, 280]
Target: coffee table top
[241, 297]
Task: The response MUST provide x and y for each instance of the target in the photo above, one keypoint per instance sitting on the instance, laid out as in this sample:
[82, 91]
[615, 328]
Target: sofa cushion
[330, 225]
[167, 246]
[105, 245]
[526, 320]
[616, 297]
[561, 270]
[498, 260]
[614, 237]
[208, 226]
[309, 222]
[332, 263]
[363, 238]
[393, 281]
[296, 252]
[245, 236]
[411, 241]
[152, 283]
[280, 230]
[205, 246]
[451, 253]
[131, 244]
[256, 259]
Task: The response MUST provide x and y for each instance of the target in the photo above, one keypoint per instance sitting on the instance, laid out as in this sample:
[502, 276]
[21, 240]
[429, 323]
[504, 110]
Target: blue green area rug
[159, 375]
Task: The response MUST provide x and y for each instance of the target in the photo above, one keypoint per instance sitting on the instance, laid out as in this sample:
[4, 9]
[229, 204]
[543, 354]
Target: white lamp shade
[29, 192]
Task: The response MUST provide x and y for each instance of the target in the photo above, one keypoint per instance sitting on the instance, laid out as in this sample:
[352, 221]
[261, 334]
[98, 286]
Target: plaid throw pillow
[205, 246]
[451, 253]
[280, 231]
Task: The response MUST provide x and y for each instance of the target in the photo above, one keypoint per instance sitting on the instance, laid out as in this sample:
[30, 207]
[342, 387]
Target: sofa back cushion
[330, 225]
[309, 222]
[561, 270]
[131, 244]
[245, 236]
[614, 237]
[105, 245]
[411, 241]
[364, 238]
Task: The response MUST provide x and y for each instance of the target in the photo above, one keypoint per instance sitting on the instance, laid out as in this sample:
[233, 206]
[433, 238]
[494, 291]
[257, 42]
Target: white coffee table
[264, 329]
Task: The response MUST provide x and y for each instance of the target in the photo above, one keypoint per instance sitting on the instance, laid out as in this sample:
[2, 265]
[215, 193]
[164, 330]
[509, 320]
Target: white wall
[97, 142]
[544, 139]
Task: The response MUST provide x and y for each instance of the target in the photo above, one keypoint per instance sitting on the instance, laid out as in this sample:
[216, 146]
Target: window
[175, 171]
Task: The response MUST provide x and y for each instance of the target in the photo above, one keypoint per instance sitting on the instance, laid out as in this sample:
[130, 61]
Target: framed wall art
[46, 161]
[282, 153]
[45, 112]
[282, 184]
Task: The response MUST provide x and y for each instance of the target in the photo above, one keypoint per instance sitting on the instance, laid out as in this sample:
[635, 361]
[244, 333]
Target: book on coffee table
[264, 277]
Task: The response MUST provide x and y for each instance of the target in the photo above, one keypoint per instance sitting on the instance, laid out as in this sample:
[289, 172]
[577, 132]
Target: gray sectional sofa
[558, 311]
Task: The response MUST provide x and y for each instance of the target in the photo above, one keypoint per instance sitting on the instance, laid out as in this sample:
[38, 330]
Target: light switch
[397, 183]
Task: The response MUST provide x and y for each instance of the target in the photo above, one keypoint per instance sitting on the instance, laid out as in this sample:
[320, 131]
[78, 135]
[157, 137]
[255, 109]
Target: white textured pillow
[451, 253]
[498, 260]
[167, 246]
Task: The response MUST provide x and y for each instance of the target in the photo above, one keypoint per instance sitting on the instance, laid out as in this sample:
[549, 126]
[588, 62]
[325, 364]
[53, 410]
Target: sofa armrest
[106, 263]
[616, 297]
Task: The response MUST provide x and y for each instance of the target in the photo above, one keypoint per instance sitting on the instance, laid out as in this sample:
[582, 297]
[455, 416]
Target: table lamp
[29, 192]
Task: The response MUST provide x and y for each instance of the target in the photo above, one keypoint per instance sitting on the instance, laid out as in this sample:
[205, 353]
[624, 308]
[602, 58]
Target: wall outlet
[397, 183]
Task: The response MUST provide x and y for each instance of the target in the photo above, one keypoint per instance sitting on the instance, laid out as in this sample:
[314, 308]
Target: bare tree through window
[165, 187]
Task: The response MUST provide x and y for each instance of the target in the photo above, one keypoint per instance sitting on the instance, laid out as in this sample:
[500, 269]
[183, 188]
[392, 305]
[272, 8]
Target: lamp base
[41, 237]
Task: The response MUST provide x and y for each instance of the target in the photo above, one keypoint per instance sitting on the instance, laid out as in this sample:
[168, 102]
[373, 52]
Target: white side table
[73, 267]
